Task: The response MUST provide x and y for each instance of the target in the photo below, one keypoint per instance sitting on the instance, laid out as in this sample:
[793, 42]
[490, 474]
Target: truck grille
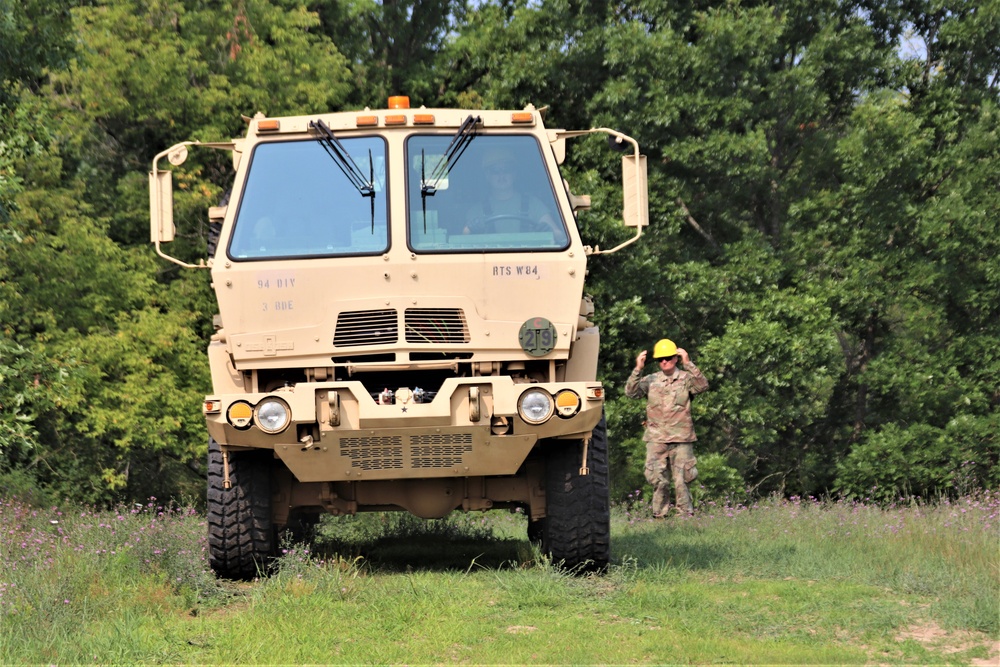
[436, 325]
[366, 327]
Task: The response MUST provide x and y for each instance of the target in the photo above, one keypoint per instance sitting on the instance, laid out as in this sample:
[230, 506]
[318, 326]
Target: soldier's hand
[685, 359]
[640, 361]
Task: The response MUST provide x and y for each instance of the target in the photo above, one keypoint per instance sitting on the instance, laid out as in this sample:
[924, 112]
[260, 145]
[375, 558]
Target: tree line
[823, 201]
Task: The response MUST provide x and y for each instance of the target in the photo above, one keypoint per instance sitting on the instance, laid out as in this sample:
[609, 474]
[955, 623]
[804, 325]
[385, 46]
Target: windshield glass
[298, 202]
[497, 196]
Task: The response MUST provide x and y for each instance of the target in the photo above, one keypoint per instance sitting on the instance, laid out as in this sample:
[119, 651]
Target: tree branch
[694, 223]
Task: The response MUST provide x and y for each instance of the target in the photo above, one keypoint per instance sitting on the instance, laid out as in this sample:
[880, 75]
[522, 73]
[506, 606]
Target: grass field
[794, 581]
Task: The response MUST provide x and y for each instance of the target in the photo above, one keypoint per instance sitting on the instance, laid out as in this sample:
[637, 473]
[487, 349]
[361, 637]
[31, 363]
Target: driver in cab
[504, 209]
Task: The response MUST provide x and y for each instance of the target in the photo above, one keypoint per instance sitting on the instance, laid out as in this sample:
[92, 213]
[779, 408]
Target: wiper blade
[466, 133]
[343, 159]
[429, 186]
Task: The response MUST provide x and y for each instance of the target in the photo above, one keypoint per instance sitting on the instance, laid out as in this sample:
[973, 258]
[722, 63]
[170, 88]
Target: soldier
[669, 429]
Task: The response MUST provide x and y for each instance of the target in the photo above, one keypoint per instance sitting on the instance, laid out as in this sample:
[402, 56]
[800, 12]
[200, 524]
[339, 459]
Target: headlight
[535, 406]
[272, 415]
[567, 403]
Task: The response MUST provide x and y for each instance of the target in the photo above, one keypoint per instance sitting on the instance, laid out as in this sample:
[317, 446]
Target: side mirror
[161, 207]
[635, 212]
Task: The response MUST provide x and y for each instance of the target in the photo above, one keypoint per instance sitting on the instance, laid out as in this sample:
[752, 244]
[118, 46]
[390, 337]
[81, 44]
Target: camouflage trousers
[666, 463]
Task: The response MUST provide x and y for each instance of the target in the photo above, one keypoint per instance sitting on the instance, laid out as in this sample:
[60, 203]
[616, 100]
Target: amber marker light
[567, 403]
[399, 102]
[595, 393]
[240, 414]
[211, 406]
[423, 119]
[366, 121]
[399, 119]
[268, 125]
[522, 118]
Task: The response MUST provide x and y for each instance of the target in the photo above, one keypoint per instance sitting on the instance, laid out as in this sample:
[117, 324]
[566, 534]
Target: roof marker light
[366, 121]
[268, 125]
[399, 102]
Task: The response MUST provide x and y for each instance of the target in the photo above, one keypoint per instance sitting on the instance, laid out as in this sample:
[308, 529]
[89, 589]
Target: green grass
[782, 582]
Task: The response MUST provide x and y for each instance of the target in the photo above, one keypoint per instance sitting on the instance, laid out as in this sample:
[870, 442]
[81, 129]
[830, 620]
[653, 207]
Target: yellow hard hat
[664, 348]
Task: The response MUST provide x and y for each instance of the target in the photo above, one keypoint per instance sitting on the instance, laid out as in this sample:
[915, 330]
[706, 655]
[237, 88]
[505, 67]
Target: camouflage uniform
[669, 431]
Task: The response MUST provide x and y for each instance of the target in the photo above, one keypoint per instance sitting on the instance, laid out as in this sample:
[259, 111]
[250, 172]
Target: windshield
[299, 202]
[497, 196]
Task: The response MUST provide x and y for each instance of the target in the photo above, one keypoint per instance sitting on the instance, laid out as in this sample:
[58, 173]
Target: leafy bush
[718, 481]
[925, 461]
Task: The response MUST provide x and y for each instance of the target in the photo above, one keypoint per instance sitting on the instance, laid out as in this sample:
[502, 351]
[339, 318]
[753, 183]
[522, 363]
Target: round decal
[537, 336]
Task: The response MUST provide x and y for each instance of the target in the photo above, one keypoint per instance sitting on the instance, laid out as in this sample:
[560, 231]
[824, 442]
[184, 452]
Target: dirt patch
[933, 637]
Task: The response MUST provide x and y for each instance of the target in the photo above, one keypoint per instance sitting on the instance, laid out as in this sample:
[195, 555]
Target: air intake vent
[439, 451]
[366, 327]
[373, 453]
[436, 325]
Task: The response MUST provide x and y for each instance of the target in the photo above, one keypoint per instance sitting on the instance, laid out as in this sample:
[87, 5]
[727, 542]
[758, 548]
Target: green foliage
[823, 239]
[27, 384]
[717, 482]
[924, 461]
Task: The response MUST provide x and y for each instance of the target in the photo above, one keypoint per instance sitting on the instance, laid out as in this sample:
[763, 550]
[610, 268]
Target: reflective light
[240, 414]
[535, 406]
[272, 415]
[567, 403]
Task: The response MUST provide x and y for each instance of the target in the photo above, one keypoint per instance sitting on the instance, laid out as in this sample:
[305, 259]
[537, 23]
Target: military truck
[402, 326]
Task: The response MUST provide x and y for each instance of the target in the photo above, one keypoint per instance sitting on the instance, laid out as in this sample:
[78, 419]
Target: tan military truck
[402, 326]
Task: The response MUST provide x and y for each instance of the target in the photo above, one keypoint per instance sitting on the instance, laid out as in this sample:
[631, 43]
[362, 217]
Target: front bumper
[338, 432]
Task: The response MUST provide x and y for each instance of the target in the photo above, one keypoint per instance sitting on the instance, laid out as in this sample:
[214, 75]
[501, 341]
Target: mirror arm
[617, 137]
[176, 155]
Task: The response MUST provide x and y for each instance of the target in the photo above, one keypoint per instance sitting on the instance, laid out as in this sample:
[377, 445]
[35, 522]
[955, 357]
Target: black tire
[240, 537]
[577, 530]
[536, 530]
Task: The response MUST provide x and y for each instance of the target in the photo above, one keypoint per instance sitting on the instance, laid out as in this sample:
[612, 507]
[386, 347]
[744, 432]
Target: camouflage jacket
[668, 410]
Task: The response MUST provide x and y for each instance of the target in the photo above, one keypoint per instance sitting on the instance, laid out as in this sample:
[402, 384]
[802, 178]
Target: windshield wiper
[347, 165]
[429, 186]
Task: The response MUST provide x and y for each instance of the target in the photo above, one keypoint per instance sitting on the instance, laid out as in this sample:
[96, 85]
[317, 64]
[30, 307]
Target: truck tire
[577, 530]
[240, 537]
